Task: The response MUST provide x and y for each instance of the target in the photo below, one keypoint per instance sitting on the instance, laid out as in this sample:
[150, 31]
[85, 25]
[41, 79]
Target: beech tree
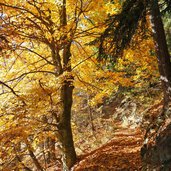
[34, 22]
[38, 41]
[36, 18]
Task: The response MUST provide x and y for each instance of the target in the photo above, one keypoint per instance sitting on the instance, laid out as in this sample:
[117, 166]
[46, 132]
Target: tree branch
[25, 48]
[31, 72]
[12, 90]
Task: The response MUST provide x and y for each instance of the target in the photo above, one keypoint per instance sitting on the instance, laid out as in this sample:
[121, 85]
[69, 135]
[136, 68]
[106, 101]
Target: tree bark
[162, 52]
[65, 130]
[157, 156]
[69, 154]
[64, 126]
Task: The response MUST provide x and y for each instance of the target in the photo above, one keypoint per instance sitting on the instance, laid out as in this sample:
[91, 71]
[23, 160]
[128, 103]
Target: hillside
[121, 153]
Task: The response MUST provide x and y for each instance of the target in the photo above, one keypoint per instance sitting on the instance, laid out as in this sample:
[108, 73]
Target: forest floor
[120, 153]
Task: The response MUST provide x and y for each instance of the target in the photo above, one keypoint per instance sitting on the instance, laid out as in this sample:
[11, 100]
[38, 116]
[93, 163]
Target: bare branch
[89, 84]
[12, 90]
[84, 60]
[31, 72]
[25, 48]
[26, 10]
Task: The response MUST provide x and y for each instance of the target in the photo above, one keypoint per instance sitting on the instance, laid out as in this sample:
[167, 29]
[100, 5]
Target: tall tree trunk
[162, 52]
[65, 130]
[157, 156]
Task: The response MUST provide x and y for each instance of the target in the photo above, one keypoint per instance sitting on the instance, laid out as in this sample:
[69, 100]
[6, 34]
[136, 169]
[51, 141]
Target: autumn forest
[85, 85]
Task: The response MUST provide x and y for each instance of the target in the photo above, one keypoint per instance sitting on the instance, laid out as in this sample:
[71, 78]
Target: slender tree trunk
[35, 160]
[162, 52]
[23, 165]
[19, 158]
[50, 146]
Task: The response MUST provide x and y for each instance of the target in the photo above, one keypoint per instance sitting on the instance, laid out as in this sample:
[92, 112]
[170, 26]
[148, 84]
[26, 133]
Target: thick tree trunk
[162, 52]
[68, 150]
[65, 130]
[156, 152]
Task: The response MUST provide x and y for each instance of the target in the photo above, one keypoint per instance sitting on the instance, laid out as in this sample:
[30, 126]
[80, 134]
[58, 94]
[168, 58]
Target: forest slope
[122, 152]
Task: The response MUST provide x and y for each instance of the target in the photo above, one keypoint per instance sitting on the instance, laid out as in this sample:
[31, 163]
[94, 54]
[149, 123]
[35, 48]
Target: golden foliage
[35, 33]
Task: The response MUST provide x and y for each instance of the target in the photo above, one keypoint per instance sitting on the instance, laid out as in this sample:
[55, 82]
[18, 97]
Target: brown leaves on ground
[121, 153]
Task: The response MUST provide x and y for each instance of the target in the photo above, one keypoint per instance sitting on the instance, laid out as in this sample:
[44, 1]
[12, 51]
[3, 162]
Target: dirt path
[121, 153]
